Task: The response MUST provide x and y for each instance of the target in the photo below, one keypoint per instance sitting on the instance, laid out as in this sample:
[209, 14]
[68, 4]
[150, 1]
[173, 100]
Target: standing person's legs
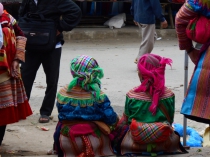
[148, 39]
[51, 66]
[2, 132]
[29, 70]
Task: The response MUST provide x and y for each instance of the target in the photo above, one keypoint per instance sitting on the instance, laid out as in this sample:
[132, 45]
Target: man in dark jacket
[66, 15]
[145, 12]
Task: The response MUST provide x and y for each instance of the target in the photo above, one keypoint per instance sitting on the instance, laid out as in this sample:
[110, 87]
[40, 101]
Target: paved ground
[116, 56]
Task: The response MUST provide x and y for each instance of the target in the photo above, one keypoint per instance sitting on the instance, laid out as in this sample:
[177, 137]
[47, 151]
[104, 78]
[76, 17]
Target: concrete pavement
[115, 51]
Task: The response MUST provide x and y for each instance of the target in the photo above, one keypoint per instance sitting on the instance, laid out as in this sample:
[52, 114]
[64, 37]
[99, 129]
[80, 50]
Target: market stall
[97, 12]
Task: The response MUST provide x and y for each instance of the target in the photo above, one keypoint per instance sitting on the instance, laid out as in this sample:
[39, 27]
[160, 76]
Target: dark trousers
[2, 132]
[51, 65]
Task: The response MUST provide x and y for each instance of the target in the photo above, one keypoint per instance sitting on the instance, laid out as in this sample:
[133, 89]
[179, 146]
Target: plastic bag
[116, 21]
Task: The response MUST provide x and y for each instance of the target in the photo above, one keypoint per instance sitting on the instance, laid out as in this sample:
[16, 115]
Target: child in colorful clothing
[86, 117]
[151, 104]
[14, 105]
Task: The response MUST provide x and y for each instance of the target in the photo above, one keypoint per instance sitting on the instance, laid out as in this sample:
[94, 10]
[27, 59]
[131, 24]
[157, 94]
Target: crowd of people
[88, 126]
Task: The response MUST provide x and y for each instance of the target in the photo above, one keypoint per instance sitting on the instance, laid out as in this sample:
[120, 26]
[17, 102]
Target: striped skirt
[14, 105]
[196, 105]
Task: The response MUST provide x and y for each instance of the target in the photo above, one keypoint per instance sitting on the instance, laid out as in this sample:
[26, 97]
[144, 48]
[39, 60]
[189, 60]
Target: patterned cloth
[11, 46]
[137, 108]
[200, 6]
[14, 104]
[87, 74]
[12, 93]
[196, 104]
[187, 12]
[20, 47]
[118, 134]
[151, 67]
[144, 133]
[170, 146]
[83, 139]
[78, 104]
[183, 17]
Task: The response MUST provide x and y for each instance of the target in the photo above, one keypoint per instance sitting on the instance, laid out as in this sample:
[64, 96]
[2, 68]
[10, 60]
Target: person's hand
[194, 55]
[15, 69]
[136, 23]
[164, 24]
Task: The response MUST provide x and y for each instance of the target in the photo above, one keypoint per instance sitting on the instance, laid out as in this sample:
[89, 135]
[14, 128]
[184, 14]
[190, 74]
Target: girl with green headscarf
[83, 107]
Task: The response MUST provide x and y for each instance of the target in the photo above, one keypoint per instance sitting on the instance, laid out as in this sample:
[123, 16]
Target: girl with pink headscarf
[145, 126]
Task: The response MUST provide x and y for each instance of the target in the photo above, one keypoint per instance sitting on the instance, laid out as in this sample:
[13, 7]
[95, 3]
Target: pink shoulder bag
[198, 29]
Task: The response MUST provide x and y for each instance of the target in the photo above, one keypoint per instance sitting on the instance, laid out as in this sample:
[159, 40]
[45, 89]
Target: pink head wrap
[1, 9]
[152, 70]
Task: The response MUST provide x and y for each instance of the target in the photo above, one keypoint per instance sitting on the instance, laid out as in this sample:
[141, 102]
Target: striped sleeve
[182, 19]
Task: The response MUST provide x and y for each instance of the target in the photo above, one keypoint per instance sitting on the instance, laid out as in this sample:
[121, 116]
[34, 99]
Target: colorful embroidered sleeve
[182, 19]
[78, 104]
[20, 40]
[20, 48]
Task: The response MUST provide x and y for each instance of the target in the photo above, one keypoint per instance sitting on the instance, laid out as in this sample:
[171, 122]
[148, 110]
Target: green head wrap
[87, 74]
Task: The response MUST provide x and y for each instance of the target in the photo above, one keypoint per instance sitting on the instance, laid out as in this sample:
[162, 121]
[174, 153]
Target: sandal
[44, 119]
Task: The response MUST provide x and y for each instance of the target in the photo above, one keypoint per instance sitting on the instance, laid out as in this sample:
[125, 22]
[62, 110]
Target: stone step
[96, 33]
